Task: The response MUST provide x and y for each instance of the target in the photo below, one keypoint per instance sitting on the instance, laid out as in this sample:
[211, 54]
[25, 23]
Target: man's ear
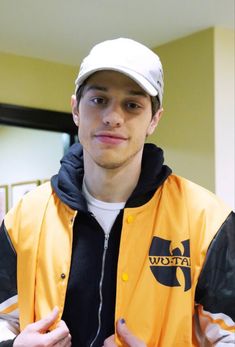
[154, 121]
[74, 106]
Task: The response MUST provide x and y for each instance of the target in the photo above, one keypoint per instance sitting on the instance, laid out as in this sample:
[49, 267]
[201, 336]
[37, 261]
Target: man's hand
[36, 335]
[125, 336]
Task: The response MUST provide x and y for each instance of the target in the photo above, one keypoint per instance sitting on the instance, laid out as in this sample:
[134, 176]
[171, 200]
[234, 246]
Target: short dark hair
[79, 92]
[155, 103]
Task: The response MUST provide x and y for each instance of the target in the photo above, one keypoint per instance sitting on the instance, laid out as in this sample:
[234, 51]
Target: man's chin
[110, 162]
[109, 165]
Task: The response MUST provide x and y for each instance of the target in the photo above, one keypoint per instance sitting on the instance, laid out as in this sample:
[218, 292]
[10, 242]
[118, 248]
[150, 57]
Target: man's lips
[110, 138]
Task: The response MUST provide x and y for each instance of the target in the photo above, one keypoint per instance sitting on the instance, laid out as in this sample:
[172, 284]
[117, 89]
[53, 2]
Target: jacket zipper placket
[106, 241]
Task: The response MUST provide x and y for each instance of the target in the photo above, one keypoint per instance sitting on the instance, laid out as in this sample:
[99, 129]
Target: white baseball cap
[128, 57]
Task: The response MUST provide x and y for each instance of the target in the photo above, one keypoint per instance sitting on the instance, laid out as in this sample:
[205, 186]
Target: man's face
[114, 117]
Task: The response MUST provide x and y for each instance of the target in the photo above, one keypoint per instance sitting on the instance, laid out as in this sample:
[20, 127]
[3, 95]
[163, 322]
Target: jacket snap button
[63, 276]
[125, 277]
[130, 219]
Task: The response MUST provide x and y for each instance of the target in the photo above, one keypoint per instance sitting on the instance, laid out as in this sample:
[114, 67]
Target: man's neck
[112, 185]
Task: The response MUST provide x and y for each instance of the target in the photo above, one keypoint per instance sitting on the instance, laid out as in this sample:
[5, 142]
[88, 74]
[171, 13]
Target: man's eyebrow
[137, 93]
[105, 89]
[96, 87]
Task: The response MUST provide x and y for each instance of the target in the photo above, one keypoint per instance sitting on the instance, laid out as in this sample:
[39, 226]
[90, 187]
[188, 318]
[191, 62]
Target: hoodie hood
[67, 184]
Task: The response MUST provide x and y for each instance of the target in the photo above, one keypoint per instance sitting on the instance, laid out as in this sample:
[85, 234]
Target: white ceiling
[64, 30]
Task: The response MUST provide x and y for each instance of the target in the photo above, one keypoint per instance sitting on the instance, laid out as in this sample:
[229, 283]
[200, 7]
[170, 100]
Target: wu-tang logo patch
[170, 262]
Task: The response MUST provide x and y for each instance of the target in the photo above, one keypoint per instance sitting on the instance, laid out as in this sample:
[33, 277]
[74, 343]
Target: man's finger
[127, 336]
[110, 342]
[59, 333]
[45, 323]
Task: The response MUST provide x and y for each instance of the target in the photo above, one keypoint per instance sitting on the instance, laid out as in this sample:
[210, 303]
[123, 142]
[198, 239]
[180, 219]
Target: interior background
[41, 47]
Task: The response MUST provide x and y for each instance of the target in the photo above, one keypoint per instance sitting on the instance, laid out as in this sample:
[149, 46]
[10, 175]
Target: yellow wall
[186, 131]
[225, 115]
[36, 83]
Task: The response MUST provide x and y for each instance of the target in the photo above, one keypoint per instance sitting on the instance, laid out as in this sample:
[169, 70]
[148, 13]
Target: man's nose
[113, 116]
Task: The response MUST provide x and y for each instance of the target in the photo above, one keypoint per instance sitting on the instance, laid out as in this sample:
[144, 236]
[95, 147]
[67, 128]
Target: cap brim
[139, 79]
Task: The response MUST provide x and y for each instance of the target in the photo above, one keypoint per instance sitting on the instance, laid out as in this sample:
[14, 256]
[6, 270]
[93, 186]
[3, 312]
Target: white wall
[28, 154]
[224, 115]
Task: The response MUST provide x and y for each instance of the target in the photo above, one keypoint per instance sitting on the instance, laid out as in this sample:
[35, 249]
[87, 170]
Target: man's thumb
[125, 335]
[45, 323]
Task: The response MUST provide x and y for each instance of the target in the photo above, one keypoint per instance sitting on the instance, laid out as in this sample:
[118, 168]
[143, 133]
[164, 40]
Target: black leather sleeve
[8, 343]
[8, 286]
[216, 285]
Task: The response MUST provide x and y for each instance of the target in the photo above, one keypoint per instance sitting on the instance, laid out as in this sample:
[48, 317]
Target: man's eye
[132, 105]
[98, 101]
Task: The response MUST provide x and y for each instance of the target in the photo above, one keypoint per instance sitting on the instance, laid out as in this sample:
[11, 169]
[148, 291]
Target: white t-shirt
[104, 212]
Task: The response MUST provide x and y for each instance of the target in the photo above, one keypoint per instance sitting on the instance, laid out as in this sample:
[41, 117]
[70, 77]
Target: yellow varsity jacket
[162, 251]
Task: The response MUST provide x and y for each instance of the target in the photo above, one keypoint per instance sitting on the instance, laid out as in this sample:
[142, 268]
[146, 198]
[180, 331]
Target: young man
[118, 251]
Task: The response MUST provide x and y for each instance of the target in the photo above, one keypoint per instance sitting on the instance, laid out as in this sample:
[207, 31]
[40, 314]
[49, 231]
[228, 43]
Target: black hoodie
[84, 292]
